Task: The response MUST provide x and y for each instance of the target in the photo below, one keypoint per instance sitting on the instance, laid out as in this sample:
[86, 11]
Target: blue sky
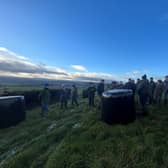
[110, 37]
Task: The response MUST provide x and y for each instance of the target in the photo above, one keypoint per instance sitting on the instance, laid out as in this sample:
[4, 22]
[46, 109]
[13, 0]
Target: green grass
[22, 88]
[76, 138]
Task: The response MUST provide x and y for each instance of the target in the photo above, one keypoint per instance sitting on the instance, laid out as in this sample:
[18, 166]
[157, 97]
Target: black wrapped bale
[12, 110]
[118, 106]
[85, 93]
[55, 95]
[31, 98]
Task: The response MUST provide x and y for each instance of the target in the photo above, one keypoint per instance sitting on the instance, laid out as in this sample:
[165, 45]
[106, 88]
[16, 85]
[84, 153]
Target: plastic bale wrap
[118, 106]
[12, 110]
[85, 93]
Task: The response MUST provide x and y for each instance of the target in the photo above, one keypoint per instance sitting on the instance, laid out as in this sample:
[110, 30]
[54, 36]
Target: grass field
[76, 138]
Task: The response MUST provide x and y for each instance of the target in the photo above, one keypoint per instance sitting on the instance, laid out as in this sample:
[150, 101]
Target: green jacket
[143, 87]
[45, 96]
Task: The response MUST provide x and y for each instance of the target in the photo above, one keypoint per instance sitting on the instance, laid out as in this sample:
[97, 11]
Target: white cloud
[12, 64]
[79, 68]
[6, 52]
[93, 76]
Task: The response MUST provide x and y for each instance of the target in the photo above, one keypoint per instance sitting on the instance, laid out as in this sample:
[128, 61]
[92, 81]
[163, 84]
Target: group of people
[149, 91]
[73, 95]
[65, 95]
[144, 91]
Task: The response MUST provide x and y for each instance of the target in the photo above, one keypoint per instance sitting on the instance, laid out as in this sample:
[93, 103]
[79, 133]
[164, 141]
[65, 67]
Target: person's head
[138, 80]
[129, 80]
[144, 77]
[132, 81]
[151, 79]
[159, 81]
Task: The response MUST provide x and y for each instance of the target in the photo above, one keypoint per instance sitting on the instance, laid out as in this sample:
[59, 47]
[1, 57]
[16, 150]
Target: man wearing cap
[45, 99]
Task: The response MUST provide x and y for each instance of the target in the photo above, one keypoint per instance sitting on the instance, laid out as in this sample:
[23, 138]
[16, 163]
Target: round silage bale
[12, 110]
[118, 106]
[85, 93]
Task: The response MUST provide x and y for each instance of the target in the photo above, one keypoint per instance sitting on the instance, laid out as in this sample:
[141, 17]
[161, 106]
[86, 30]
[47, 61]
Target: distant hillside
[33, 81]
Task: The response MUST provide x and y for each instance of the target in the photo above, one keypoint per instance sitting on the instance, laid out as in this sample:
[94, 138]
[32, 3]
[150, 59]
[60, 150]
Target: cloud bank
[12, 64]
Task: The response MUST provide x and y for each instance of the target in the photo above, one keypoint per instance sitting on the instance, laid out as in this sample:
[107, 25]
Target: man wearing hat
[45, 99]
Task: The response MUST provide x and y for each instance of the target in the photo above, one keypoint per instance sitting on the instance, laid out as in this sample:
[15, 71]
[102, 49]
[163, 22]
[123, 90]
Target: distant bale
[118, 106]
[31, 98]
[85, 93]
[12, 110]
[55, 95]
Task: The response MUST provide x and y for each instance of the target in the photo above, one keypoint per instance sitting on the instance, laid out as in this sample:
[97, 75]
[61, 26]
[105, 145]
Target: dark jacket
[100, 89]
[91, 91]
[45, 96]
[143, 88]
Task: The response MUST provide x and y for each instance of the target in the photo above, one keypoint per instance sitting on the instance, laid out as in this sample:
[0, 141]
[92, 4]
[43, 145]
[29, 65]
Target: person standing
[63, 97]
[91, 94]
[131, 85]
[74, 95]
[165, 93]
[152, 86]
[45, 99]
[100, 88]
[143, 91]
[158, 91]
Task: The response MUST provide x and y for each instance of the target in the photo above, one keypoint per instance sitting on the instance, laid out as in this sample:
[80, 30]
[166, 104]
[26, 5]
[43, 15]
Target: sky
[83, 39]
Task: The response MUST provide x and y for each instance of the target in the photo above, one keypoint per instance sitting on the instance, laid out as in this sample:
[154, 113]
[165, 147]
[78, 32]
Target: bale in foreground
[12, 110]
[118, 106]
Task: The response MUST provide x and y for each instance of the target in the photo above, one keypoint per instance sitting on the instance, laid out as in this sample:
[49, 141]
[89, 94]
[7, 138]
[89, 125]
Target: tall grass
[76, 138]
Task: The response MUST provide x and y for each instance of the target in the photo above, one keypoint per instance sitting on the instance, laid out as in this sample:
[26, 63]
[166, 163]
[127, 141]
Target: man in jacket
[143, 91]
[74, 95]
[165, 93]
[45, 99]
[100, 88]
[91, 94]
[152, 86]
